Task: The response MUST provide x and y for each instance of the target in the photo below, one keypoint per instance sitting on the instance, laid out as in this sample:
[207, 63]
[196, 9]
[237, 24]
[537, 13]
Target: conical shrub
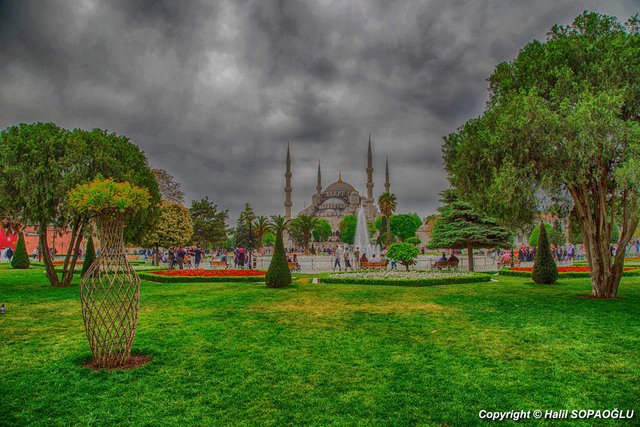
[544, 271]
[89, 256]
[20, 258]
[278, 275]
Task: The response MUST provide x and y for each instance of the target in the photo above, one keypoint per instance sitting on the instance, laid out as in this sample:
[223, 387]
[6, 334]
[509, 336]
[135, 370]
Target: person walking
[337, 255]
[356, 257]
[197, 256]
[172, 258]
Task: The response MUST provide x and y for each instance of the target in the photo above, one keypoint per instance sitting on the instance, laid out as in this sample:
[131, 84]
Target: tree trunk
[595, 224]
[67, 273]
[156, 256]
[470, 256]
[388, 232]
[46, 256]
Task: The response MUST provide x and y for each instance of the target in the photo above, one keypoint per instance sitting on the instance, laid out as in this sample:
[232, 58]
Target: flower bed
[405, 278]
[567, 272]
[197, 275]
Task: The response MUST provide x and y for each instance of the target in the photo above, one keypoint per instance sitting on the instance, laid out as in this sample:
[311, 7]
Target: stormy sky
[214, 90]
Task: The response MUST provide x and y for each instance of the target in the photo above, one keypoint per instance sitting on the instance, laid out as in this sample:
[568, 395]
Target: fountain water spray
[362, 237]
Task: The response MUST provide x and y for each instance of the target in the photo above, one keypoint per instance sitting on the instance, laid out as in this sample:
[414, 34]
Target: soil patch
[134, 361]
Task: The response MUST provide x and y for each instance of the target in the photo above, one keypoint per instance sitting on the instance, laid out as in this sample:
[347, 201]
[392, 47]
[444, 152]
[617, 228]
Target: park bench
[294, 266]
[441, 265]
[217, 264]
[132, 258]
[373, 265]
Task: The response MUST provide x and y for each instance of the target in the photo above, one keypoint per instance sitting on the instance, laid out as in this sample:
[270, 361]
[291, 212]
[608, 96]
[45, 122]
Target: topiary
[535, 233]
[278, 275]
[404, 253]
[89, 256]
[20, 258]
[544, 271]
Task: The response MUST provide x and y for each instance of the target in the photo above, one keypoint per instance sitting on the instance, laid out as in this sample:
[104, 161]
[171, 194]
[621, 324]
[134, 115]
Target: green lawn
[320, 354]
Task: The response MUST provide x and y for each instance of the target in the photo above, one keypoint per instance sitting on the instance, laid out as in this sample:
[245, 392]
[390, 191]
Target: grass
[240, 353]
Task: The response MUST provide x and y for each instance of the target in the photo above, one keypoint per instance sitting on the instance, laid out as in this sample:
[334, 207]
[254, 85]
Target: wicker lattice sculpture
[110, 288]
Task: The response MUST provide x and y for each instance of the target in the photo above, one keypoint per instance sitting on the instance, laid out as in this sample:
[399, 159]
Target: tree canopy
[173, 228]
[245, 235]
[169, 188]
[563, 117]
[209, 223]
[348, 228]
[404, 253]
[460, 226]
[41, 162]
[405, 225]
[322, 230]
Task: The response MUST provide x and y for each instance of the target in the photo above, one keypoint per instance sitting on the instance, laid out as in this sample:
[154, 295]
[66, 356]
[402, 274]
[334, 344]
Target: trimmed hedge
[146, 275]
[545, 271]
[570, 275]
[475, 278]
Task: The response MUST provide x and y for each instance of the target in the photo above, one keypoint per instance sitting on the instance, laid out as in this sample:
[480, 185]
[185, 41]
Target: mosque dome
[340, 187]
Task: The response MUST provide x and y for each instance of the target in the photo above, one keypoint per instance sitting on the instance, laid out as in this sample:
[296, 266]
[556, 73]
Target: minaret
[287, 187]
[319, 184]
[370, 213]
[387, 184]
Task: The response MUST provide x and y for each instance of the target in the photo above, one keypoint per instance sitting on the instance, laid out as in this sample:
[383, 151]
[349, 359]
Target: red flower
[210, 273]
[62, 262]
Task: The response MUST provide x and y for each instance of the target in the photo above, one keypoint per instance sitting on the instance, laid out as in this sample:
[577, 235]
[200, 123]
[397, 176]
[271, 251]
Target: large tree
[322, 230]
[245, 234]
[404, 226]
[388, 204]
[173, 228]
[169, 188]
[209, 223]
[41, 162]
[347, 228]
[562, 117]
[460, 226]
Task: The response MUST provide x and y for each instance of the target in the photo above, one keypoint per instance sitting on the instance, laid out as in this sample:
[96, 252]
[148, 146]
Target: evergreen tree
[20, 258]
[544, 271]
[89, 256]
[278, 275]
[462, 227]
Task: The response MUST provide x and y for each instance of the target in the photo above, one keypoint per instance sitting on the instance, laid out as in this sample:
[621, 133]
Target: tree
[347, 229]
[169, 188]
[41, 162]
[304, 226]
[404, 253]
[460, 226]
[563, 117]
[322, 230]
[278, 274]
[413, 240]
[544, 271]
[575, 234]
[269, 238]
[20, 258]
[244, 233]
[174, 228]
[261, 226]
[404, 226]
[209, 223]
[388, 204]
[557, 234]
[89, 256]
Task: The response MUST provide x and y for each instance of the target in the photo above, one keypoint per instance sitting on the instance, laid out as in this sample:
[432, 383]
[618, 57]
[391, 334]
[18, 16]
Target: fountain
[362, 237]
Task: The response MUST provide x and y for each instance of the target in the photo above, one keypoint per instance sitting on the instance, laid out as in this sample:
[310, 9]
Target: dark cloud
[214, 91]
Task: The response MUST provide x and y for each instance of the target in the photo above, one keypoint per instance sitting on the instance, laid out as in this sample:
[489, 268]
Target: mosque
[339, 198]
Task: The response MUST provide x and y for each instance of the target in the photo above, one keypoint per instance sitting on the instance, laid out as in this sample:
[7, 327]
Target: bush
[404, 253]
[20, 258]
[544, 271]
[89, 256]
[278, 275]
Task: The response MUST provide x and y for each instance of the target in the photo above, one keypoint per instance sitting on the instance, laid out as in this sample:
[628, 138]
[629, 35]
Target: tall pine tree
[462, 227]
